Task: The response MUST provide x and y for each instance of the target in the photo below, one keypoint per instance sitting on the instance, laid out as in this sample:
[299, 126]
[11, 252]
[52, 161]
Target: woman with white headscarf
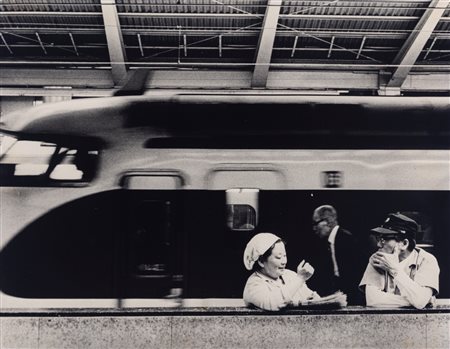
[272, 286]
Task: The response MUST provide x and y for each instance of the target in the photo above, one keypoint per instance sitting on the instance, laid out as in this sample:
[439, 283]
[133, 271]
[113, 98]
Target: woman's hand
[305, 270]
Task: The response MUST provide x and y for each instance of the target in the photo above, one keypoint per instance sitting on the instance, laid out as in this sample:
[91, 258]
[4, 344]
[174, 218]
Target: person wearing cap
[272, 286]
[399, 273]
[338, 257]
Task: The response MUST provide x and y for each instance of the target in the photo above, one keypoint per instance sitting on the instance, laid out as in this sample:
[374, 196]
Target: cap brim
[381, 230]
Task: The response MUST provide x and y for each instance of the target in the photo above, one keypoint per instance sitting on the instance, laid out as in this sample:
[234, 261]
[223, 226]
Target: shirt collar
[411, 259]
[332, 236]
[268, 279]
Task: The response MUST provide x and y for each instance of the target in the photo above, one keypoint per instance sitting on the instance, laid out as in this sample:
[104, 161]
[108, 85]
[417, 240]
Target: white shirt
[418, 273]
[390, 284]
[331, 240]
[266, 293]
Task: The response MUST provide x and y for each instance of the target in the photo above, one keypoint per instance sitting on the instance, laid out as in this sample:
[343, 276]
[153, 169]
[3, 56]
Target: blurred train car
[134, 201]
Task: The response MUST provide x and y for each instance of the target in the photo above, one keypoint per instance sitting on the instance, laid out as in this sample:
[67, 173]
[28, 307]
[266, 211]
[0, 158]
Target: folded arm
[412, 294]
[377, 298]
[418, 296]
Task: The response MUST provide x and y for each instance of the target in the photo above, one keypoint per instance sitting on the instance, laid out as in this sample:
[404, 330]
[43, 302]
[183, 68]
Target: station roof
[389, 38]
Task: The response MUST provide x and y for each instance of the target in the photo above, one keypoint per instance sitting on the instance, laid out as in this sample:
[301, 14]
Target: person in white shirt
[272, 286]
[400, 274]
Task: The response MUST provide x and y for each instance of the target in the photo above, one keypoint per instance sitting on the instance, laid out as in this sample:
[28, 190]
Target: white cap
[257, 246]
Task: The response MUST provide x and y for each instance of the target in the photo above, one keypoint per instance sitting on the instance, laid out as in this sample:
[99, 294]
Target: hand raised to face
[386, 261]
[305, 270]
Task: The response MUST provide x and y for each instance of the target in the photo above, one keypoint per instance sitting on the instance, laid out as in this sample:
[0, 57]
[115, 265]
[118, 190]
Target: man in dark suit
[337, 259]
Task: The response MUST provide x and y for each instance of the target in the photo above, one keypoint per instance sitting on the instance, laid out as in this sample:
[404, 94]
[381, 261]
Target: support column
[116, 48]
[265, 44]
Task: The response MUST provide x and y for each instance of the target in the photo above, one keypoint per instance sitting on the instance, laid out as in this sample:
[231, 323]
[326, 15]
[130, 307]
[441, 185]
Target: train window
[146, 180]
[241, 217]
[241, 175]
[242, 206]
[31, 163]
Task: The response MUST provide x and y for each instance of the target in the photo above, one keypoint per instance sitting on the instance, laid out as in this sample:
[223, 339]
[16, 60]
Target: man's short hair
[326, 211]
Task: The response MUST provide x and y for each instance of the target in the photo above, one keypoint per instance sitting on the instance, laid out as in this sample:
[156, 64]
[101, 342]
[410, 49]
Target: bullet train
[140, 201]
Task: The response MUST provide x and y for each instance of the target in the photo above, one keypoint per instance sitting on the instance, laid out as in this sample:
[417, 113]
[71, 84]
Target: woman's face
[275, 264]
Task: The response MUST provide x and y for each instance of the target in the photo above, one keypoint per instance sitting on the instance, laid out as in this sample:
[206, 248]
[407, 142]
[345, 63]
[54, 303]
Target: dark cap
[398, 224]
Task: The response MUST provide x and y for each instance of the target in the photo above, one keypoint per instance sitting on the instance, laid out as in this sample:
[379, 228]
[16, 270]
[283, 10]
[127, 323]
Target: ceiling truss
[263, 40]
[414, 44]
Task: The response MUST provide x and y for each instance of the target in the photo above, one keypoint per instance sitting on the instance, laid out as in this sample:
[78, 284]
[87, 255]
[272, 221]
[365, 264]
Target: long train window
[30, 162]
[142, 244]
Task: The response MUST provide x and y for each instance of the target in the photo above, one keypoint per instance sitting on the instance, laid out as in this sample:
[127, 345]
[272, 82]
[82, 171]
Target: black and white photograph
[230, 174]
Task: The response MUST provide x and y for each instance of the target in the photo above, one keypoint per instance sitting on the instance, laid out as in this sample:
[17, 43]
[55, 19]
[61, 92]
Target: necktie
[333, 258]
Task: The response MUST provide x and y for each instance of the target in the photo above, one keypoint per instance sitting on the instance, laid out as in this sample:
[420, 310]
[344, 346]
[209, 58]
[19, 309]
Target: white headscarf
[257, 246]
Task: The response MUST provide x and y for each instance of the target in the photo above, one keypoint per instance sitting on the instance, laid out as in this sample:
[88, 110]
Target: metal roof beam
[320, 17]
[265, 44]
[114, 39]
[331, 47]
[6, 43]
[361, 47]
[305, 32]
[257, 16]
[294, 46]
[413, 46]
[41, 43]
[207, 15]
[226, 48]
[90, 78]
[429, 48]
[73, 44]
[46, 92]
[234, 63]
[141, 49]
[17, 80]
[65, 46]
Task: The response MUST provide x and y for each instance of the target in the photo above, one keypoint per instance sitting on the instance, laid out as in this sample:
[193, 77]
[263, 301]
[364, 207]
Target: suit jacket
[351, 263]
